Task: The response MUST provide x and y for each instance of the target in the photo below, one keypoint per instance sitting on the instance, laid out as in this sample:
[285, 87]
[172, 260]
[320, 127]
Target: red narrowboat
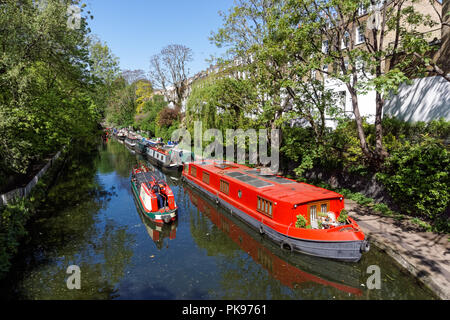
[276, 206]
[289, 271]
[153, 195]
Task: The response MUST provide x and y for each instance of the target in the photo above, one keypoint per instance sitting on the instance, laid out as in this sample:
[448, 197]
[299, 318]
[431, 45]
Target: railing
[25, 191]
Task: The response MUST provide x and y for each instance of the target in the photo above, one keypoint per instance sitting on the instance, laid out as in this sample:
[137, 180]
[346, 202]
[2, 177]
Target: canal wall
[423, 254]
[25, 191]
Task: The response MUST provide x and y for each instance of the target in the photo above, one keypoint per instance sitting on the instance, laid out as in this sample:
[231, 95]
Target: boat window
[265, 206]
[206, 177]
[194, 171]
[224, 187]
[313, 208]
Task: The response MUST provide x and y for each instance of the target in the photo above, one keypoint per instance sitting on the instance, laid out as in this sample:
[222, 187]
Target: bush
[301, 222]
[417, 178]
[343, 216]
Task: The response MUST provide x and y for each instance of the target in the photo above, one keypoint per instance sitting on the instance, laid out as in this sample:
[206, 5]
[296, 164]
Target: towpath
[425, 254]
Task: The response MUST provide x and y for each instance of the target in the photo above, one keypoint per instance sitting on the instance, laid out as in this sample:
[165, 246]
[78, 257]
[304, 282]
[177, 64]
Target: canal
[90, 219]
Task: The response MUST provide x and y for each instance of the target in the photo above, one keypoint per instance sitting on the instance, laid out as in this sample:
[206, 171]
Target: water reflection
[68, 230]
[159, 233]
[285, 269]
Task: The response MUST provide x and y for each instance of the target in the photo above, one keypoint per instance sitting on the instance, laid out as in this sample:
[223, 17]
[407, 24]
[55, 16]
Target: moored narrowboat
[298, 216]
[141, 146]
[154, 196]
[131, 140]
[163, 156]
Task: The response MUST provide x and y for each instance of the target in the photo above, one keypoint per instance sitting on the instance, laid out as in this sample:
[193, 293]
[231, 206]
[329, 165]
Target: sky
[137, 29]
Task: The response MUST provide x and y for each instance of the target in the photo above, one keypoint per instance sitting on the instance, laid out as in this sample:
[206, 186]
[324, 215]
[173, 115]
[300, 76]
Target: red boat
[273, 204]
[154, 196]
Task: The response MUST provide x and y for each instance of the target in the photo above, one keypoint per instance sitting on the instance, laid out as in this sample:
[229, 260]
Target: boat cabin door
[313, 210]
[313, 216]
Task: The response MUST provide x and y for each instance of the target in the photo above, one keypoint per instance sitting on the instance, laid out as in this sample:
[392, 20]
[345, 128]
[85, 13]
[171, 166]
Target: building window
[206, 177]
[360, 35]
[325, 46]
[194, 171]
[362, 10]
[224, 187]
[264, 206]
[346, 40]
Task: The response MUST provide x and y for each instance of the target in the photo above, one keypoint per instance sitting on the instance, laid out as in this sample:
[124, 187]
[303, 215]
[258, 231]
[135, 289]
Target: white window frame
[359, 34]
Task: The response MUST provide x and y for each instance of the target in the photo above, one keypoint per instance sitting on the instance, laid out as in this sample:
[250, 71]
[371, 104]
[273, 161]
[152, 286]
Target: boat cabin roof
[269, 185]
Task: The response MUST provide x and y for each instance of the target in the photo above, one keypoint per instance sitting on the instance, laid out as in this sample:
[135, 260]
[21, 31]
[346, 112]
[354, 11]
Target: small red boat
[273, 205]
[154, 196]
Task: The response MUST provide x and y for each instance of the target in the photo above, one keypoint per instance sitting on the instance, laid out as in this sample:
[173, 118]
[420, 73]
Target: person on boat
[156, 191]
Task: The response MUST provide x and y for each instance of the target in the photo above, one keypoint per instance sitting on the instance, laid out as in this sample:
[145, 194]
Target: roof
[270, 186]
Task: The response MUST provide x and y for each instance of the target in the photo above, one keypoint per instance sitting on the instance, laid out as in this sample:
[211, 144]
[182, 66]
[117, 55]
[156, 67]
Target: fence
[25, 191]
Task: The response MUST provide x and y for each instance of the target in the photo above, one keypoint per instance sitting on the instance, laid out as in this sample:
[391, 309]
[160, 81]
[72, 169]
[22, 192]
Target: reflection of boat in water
[153, 194]
[292, 270]
[158, 232]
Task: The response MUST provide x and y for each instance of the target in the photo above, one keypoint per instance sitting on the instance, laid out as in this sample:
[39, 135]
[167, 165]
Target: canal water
[91, 220]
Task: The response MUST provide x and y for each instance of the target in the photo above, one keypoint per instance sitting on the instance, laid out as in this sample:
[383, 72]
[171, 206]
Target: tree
[104, 67]
[144, 93]
[45, 82]
[131, 76]
[168, 71]
[331, 39]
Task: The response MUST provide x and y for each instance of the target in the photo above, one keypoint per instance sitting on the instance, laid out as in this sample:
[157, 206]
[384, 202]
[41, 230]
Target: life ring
[365, 246]
[288, 244]
[261, 229]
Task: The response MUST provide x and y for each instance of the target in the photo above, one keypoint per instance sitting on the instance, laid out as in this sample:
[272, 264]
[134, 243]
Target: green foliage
[301, 222]
[343, 216]
[417, 177]
[46, 85]
[146, 121]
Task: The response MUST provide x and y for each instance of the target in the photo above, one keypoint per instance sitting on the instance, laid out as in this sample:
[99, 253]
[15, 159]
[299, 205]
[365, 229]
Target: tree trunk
[359, 125]
[380, 152]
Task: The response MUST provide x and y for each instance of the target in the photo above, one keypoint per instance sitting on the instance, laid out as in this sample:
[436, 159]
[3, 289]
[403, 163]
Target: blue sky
[137, 29]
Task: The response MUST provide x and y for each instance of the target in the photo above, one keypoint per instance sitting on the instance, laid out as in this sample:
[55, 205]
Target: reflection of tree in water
[114, 156]
[67, 231]
[241, 278]
[209, 237]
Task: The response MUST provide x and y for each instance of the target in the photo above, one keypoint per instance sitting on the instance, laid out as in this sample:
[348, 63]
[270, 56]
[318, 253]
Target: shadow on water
[90, 219]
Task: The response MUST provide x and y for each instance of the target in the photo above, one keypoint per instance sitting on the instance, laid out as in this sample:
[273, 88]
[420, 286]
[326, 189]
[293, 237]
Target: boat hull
[156, 216]
[163, 165]
[349, 251]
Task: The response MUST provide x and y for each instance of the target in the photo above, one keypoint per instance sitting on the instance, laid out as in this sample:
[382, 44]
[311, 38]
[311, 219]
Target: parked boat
[292, 270]
[141, 146]
[154, 196]
[131, 140]
[273, 204]
[164, 156]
